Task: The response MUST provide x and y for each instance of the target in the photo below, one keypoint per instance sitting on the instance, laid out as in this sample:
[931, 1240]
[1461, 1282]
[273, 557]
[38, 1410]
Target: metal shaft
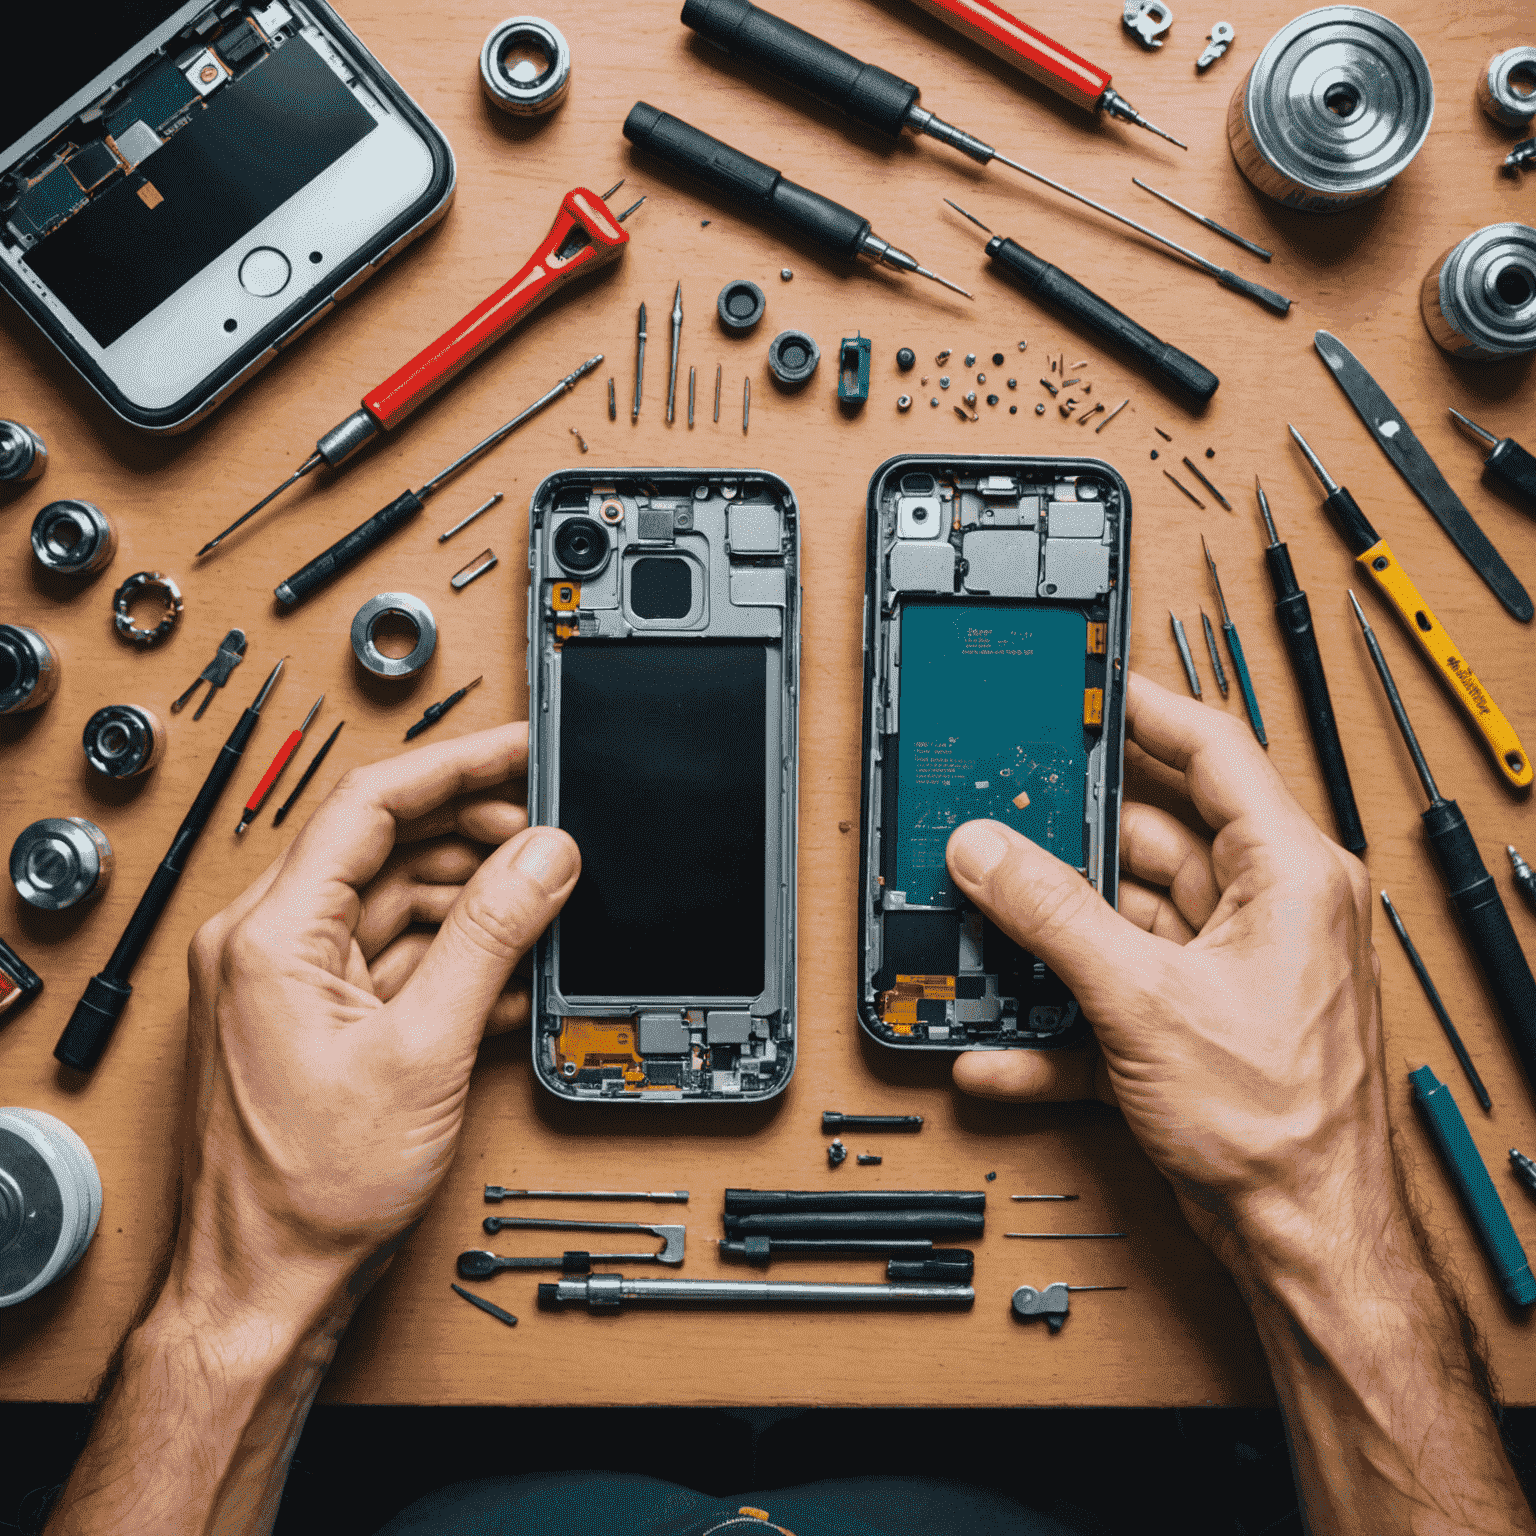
[887, 255]
[1472, 426]
[1329, 484]
[1395, 699]
[609, 1292]
[639, 363]
[677, 331]
[1210, 645]
[313, 462]
[1182, 641]
[1211, 224]
[495, 1192]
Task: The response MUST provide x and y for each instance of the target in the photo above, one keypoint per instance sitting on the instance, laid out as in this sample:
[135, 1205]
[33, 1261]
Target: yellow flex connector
[1381, 565]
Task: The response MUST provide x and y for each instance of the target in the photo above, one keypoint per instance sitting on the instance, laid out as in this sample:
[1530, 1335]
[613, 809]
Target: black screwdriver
[835, 228]
[1053, 287]
[885, 102]
[1484, 922]
[1509, 463]
[1295, 616]
[95, 1017]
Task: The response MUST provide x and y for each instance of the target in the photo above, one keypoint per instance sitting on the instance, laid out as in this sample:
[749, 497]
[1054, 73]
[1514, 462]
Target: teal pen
[1479, 1198]
[1239, 664]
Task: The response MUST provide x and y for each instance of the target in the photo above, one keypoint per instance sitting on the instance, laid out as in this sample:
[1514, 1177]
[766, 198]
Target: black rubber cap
[905, 359]
[549, 1295]
[792, 358]
[741, 305]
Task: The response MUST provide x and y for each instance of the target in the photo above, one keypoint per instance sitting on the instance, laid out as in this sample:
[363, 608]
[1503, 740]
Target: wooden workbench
[1179, 1335]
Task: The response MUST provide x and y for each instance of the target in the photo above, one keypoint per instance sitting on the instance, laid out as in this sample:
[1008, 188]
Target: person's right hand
[1234, 995]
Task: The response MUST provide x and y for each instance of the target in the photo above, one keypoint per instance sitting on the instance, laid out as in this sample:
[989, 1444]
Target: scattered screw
[1089, 415]
[785, 273]
[943, 356]
[926, 377]
[1053, 365]
[1210, 453]
[1154, 453]
[905, 358]
[1050, 386]
[1013, 410]
[992, 1177]
[613, 407]
[1023, 345]
[943, 381]
[1068, 383]
[965, 415]
[903, 402]
[934, 401]
[991, 399]
[580, 439]
[869, 1160]
[981, 378]
[837, 1153]
[997, 358]
[1186, 490]
[1088, 388]
[1082, 364]
[704, 223]
[1066, 406]
[1040, 409]
[1013, 383]
[845, 826]
[970, 397]
[1112, 415]
[1162, 434]
[970, 359]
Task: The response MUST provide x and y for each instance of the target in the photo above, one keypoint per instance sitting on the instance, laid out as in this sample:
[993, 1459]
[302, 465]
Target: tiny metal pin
[691, 372]
[1066, 1234]
[1472, 426]
[1210, 645]
[639, 362]
[613, 403]
[1042, 1197]
[746, 402]
[485, 506]
[1196, 471]
[1182, 640]
[580, 440]
[476, 568]
[1111, 415]
[677, 331]
[1211, 224]
[1186, 490]
[719, 370]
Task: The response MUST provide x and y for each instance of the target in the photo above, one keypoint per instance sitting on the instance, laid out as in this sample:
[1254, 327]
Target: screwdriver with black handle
[836, 229]
[1484, 922]
[886, 103]
[1295, 616]
[1509, 464]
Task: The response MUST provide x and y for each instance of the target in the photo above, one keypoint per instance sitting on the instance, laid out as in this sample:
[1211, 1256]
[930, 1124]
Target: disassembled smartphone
[996, 622]
[663, 678]
[186, 187]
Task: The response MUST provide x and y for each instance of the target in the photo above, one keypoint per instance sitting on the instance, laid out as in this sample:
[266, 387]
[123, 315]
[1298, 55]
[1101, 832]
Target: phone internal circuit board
[994, 688]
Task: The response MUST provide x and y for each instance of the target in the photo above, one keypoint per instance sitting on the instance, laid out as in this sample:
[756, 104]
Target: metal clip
[471, 572]
[1221, 38]
[1148, 20]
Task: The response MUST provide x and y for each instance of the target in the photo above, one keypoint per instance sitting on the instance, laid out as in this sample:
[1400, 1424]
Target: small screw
[981, 378]
[1023, 345]
[1154, 453]
[1210, 453]
[1050, 386]
[1013, 410]
[970, 397]
[1089, 415]
[943, 381]
[1013, 383]
[837, 1152]
[1040, 409]
[991, 399]
[580, 439]
[966, 415]
[970, 359]
[943, 356]
[904, 402]
[997, 358]
[934, 401]
[869, 1160]
[905, 358]
[785, 273]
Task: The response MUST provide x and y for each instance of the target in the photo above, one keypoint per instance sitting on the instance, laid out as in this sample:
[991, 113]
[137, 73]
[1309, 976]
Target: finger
[1227, 773]
[1036, 1076]
[512, 1009]
[1160, 850]
[392, 969]
[1049, 909]
[419, 889]
[491, 818]
[1152, 912]
[508, 903]
[351, 833]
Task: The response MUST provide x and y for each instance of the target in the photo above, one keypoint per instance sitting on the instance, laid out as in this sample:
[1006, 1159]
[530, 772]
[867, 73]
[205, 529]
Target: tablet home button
[265, 272]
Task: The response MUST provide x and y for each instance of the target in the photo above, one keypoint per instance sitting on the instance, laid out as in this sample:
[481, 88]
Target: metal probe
[583, 237]
[607, 1293]
[1294, 615]
[1452, 1034]
[1182, 641]
[677, 331]
[435, 712]
[1210, 645]
[464, 522]
[106, 994]
[1524, 1169]
[1052, 1302]
[1523, 876]
[1484, 922]
[275, 768]
[639, 361]
[495, 1192]
[351, 548]
[1509, 463]
[882, 101]
[838, 230]
[1211, 224]
[1235, 646]
[307, 775]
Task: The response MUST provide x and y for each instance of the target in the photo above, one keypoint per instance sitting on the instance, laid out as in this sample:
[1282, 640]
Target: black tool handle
[856, 1223]
[727, 170]
[1295, 616]
[348, 549]
[1513, 467]
[866, 93]
[743, 1202]
[1265, 296]
[1102, 318]
[956, 1270]
[1486, 926]
[1353, 525]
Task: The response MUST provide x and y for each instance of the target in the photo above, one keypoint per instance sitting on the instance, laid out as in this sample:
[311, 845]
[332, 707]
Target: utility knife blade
[1418, 469]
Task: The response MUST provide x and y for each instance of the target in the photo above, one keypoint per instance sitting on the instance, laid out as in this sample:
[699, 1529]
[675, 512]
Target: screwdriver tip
[971, 216]
[1359, 611]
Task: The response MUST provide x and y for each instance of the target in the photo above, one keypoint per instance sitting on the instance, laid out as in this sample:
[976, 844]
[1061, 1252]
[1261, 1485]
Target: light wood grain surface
[1180, 1333]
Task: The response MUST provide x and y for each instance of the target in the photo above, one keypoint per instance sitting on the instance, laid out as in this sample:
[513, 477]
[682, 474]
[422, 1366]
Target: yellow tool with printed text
[1380, 564]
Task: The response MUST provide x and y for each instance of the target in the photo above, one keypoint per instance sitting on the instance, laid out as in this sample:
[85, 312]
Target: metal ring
[73, 538]
[517, 85]
[414, 612]
[1496, 91]
[139, 582]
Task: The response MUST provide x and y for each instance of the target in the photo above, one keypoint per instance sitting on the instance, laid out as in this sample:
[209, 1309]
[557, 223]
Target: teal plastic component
[853, 369]
[1469, 1174]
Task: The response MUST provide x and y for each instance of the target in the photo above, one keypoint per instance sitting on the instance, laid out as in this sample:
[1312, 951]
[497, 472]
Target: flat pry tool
[1509, 464]
[1479, 907]
[500, 1314]
[584, 237]
[1294, 615]
[1235, 646]
[1374, 557]
[1397, 441]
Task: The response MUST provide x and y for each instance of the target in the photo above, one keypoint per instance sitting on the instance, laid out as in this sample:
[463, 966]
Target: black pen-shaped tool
[1295, 618]
[1484, 922]
[435, 712]
[307, 775]
[1452, 1034]
[96, 1014]
[1509, 463]
[499, 1313]
[1235, 646]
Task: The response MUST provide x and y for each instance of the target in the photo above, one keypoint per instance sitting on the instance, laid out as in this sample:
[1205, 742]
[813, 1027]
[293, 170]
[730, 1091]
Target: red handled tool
[275, 771]
[584, 236]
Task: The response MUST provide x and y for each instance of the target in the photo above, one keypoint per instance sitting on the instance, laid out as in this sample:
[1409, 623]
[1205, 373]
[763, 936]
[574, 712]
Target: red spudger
[275, 771]
[584, 236]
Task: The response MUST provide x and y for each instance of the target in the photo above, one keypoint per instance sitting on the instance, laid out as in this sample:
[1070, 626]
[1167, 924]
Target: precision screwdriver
[886, 103]
[584, 237]
[1210, 645]
[1509, 463]
[1051, 286]
[835, 228]
[1448, 659]
[435, 712]
[275, 769]
[1522, 872]
[1235, 646]
[677, 331]
[352, 547]
[106, 994]
[1484, 922]
[307, 775]
[1295, 618]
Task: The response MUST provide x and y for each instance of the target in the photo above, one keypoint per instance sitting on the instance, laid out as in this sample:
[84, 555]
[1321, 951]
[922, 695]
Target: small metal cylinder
[1479, 298]
[50, 1202]
[23, 456]
[123, 740]
[525, 66]
[60, 862]
[1335, 106]
[73, 538]
[29, 669]
[1506, 90]
[401, 605]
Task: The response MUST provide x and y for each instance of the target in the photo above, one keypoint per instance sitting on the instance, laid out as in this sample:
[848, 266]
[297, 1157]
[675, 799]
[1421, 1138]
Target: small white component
[1221, 39]
[206, 73]
[272, 18]
[137, 142]
[1147, 20]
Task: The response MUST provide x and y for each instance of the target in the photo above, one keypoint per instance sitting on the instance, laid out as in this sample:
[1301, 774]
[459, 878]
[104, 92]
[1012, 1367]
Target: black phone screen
[663, 785]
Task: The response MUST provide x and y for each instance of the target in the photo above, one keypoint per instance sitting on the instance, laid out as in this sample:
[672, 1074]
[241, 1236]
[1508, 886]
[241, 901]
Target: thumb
[507, 903]
[1049, 909]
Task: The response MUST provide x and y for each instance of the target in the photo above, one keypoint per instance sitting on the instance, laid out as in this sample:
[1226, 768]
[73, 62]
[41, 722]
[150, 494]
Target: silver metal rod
[719, 370]
[639, 362]
[1269, 522]
[1395, 699]
[1182, 641]
[692, 373]
[1329, 484]
[671, 1196]
[485, 506]
[609, 1292]
[1472, 426]
[1210, 645]
[677, 331]
[1200, 218]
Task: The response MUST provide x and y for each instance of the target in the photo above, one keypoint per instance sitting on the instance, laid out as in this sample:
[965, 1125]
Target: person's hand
[1234, 995]
[330, 1043]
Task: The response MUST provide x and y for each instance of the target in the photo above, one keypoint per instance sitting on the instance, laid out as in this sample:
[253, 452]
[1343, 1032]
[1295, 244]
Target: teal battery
[990, 725]
[1479, 1198]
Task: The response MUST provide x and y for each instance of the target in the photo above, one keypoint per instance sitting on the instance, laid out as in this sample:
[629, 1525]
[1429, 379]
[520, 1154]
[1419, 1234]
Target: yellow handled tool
[1377, 560]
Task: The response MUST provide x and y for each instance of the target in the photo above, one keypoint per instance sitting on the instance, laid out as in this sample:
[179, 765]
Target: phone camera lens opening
[316, 257]
[230, 325]
[581, 545]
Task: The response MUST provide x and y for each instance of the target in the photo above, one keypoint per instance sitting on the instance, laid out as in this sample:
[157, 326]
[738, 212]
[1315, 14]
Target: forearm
[1385, 1397]
[196, 1433]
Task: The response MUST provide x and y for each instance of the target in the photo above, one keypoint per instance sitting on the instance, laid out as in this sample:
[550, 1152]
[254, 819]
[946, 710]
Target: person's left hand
[329, 1049]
